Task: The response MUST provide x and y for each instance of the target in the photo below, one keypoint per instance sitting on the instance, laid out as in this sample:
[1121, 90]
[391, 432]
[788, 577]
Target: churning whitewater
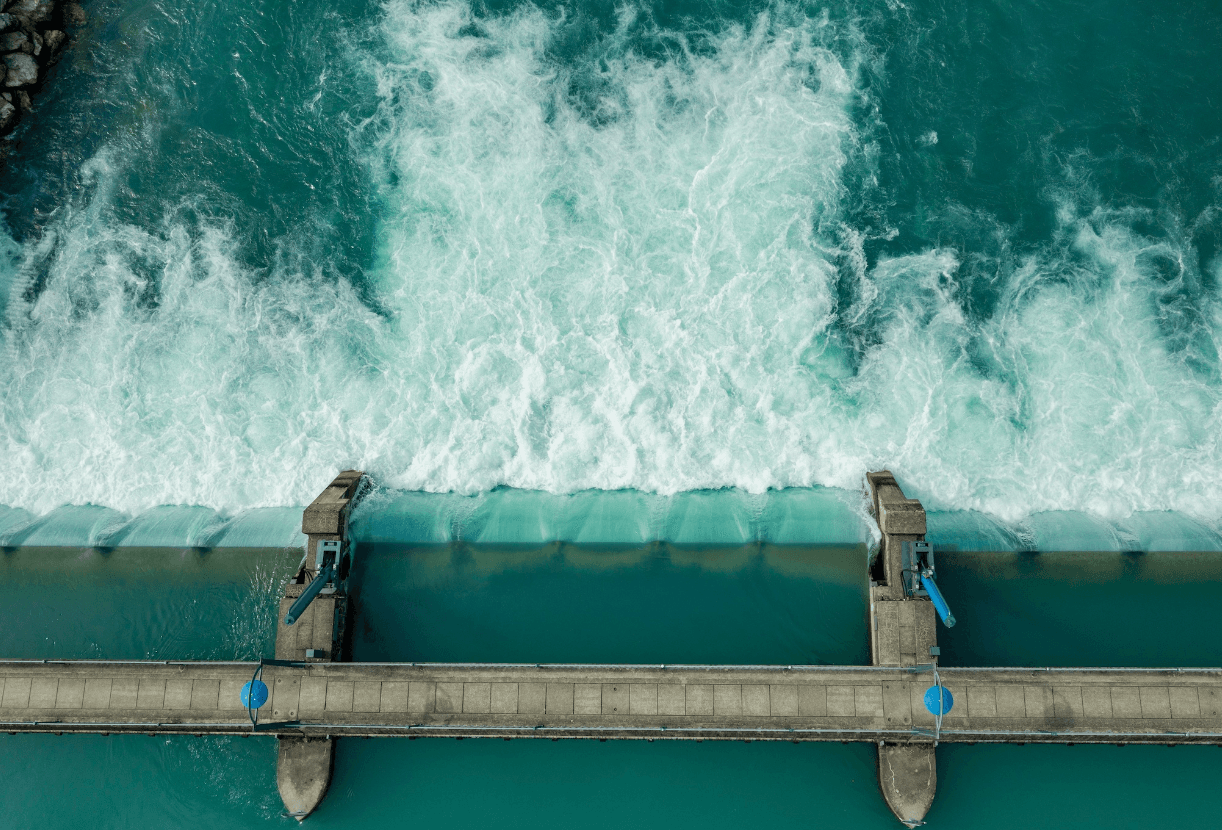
[626, 258]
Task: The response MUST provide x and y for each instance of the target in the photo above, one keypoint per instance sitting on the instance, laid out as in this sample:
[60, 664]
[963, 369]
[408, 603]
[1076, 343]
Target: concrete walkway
[812, 703]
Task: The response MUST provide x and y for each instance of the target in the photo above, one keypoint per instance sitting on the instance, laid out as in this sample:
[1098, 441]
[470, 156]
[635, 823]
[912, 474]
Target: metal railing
[704, 667]
[742, 733]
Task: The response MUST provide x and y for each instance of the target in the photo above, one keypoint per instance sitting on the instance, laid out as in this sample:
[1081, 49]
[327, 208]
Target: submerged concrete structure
[315, 696]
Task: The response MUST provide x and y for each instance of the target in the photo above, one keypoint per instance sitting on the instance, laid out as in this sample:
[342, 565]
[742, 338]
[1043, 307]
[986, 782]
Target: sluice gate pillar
[318, 635]
[903, 634]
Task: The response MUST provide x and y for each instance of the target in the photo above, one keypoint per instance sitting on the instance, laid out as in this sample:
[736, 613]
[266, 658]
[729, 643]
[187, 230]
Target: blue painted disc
[933, 703]
[253, 698]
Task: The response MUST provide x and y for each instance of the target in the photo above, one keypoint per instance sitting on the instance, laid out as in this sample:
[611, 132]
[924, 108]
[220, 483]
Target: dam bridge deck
[786, 703]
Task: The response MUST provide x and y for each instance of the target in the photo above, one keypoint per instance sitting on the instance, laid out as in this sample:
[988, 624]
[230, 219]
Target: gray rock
[36, 41]
[35, 12]
[74, 13]
[53, 42]
[23, 101]
[7, 21]
[22, 70]
[8, 116]
[15, 42]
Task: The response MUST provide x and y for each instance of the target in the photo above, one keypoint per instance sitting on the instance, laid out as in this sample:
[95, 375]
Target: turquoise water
[142, 604]
[562, 602]
[617, 303]
[1077, 609]
[567, 604]
[231, 783]
[664, 247]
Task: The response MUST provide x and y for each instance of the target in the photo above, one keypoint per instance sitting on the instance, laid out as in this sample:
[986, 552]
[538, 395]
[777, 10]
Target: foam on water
[198, 386]
[620, 265]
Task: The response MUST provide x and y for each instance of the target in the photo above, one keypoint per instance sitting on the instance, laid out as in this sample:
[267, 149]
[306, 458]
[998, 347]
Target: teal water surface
[655, 604]
[1082, 609]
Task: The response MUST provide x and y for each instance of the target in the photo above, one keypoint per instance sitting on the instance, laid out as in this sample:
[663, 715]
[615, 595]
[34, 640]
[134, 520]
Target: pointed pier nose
[908, 778]
[303, 773]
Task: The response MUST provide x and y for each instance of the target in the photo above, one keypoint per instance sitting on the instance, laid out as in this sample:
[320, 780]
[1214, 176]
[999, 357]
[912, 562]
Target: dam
[904, 702]
[618, 304]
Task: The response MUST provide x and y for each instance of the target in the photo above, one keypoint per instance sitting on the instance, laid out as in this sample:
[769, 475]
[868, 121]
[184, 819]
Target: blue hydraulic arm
[935, 596]
[917, 569]
[307, 596]
[331, 562]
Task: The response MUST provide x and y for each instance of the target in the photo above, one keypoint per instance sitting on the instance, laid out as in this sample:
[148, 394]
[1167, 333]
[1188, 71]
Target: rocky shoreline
[32, 38]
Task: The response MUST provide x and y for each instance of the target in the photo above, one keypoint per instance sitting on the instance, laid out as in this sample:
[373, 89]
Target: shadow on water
[1082, 609]
[647, 603]
[653, 603]
[141, 603]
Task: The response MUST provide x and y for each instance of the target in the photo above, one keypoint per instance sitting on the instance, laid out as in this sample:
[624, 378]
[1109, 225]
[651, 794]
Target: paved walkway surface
[650, 702]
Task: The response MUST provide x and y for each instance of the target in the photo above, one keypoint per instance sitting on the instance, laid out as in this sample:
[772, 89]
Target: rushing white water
[612, 273]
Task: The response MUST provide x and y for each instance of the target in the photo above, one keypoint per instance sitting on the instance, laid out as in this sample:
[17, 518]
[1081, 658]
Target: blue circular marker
[254, 694]
[939, 698]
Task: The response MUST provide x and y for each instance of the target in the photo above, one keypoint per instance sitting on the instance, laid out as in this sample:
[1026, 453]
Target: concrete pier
[305, 764]
[903, 632]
